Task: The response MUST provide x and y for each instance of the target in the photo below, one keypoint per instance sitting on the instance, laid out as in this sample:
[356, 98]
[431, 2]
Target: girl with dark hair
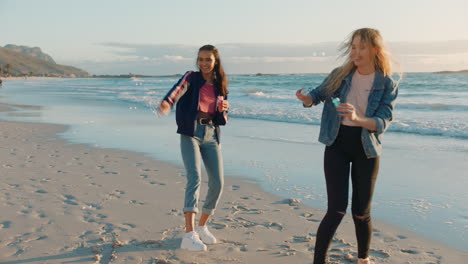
[202, 105]
[352, 132]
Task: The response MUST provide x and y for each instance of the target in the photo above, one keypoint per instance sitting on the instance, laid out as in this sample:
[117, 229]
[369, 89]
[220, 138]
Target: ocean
[272, 140]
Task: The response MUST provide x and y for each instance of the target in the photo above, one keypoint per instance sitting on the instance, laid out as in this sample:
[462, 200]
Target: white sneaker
[191, 241]
[205, 235]
[364, 261]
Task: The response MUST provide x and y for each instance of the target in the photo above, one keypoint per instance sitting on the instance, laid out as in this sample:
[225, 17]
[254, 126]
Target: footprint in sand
[40, 214]
[159, 183]
[380, 253]
[5, 224]
[69, 199]
[241, 209]
[286, 250]
[93, 218]
[18, 252]
[339, 242]
[274, 225]
[136, 202]
[85, 234]
[410, 251]
[308, 217]
[26, 211]
[386, 239]
[93, 206]
[175, 212]
[301, 239]
[129, 225]
[115, 195]
[217, 225]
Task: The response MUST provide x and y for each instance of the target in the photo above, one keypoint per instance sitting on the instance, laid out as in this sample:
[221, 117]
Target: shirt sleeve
[179, 89]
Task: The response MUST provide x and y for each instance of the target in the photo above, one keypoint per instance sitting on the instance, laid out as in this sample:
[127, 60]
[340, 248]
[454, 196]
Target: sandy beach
[70, 203]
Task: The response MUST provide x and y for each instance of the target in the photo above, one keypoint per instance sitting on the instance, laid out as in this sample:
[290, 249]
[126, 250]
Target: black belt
[205, 121]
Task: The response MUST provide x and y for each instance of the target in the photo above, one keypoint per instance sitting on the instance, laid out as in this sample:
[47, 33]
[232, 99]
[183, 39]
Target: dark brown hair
[220, 78]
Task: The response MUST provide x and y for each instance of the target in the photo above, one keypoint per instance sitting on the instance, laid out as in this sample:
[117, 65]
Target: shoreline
[100, 198]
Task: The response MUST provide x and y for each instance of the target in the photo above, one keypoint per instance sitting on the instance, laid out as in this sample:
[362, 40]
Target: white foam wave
[432, 107]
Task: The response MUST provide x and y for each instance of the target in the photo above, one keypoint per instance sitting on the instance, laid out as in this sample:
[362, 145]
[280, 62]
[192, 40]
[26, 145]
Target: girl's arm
[174, 94]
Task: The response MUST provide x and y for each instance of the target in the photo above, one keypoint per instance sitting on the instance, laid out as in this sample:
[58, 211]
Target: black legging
[347, 149]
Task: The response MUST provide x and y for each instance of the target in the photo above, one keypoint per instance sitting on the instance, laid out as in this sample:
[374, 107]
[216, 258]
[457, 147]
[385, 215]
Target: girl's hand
[164, 108]
[225, 106]
[306, 99]
[348, 111]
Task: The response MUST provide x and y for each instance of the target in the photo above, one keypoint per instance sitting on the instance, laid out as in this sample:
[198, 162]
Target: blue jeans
[203, 145]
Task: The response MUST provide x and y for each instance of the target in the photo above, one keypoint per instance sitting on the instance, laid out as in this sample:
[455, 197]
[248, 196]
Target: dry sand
[70, 203]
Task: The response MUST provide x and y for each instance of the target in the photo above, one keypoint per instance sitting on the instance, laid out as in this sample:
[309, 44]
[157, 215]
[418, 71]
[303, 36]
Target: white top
[361, 85]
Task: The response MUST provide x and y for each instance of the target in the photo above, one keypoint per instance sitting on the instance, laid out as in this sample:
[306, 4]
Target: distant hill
[22, 60]
[443, 72]
[34, 52]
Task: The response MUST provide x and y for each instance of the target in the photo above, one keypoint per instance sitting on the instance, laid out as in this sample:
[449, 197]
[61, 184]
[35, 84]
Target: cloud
[430, 48]
[270, 58]
[434, 62]
[176, 58]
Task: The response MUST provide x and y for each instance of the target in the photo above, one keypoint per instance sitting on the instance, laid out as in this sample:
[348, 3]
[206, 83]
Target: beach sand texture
[69, 203]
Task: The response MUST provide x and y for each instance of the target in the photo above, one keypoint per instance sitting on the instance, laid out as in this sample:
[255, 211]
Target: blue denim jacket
[380, 106]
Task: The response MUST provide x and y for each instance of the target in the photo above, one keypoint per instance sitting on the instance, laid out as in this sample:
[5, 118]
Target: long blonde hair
[381, 59]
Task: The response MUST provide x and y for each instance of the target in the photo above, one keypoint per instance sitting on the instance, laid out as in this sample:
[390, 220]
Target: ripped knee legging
[344, 156]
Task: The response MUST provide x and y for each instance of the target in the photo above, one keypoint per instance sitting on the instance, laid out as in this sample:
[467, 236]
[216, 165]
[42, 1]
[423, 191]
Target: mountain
[34, 52]
[461, 72]
[22, 60]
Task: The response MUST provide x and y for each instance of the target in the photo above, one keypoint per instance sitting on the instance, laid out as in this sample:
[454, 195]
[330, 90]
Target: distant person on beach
[202, 105]
[352, 132]
[1, 83]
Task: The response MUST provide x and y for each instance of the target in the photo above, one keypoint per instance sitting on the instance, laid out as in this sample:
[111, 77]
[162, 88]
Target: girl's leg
[189, 221]
[213, 160]
[364, 175]
[190, 150]
[204, 219]
[336, 167]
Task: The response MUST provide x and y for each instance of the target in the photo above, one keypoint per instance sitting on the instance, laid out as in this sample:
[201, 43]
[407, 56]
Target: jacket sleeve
[178, 89]
[384, 112]
[319, 94]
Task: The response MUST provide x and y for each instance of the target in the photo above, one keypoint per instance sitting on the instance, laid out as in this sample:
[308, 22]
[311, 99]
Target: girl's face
[362, 54]
[206, 61]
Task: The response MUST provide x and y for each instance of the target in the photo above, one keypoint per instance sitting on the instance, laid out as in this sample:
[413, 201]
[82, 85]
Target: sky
[298, 36]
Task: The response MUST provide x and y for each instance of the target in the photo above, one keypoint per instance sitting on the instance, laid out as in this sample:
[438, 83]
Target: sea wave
[436, 107]
[456, 130]
[437, 126]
